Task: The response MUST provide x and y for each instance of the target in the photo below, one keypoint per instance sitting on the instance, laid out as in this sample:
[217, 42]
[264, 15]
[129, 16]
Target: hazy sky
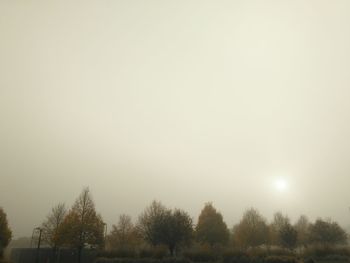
[181, 101]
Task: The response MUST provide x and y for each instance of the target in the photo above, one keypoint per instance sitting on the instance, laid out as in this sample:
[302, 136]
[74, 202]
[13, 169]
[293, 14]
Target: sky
[241, 103]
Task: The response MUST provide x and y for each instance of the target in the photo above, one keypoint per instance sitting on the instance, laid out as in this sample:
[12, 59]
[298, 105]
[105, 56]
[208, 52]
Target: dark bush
[259, 253]
[201, 254]
[235, 256]
[145, 253]
[309, 260]
[158, 252]
[280, 252]
[117, 253]
[320, 252]
[337, 258]
[280, 259]
[141, 260]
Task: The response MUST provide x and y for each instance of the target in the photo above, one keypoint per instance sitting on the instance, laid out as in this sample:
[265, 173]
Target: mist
[179, 101]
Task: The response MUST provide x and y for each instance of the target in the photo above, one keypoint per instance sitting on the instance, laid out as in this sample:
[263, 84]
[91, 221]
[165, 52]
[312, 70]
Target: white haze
[180, 101]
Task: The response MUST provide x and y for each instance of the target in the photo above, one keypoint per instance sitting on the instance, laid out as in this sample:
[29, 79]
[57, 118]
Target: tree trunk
[171, 250]
[79, 254]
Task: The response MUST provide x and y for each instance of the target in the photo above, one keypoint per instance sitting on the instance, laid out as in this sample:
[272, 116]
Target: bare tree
[123, 235]
[302, 226]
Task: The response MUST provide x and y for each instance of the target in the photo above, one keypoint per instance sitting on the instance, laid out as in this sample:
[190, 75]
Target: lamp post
[39, 243]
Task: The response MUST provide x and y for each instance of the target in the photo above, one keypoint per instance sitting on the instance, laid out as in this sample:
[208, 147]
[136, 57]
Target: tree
[211, 228]
[175, 229]
[52, 224]
[123, 235]
[160, 225]
[288, 236]
[5, 232]
[82, 225]
[252, 230]
[302, 228]
[327, 233]
[279, 221]
[147, 222]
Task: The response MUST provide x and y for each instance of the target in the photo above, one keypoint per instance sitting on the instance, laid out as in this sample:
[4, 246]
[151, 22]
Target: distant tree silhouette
[175, 229]
[124, 235]
[327, 233]
[211, 228]
[82, 225]
[5, 232]
[52, 224]
[302, 227]
[147, 222]
[252, 230]
[160, 225]
[288, 236]
[279, 221]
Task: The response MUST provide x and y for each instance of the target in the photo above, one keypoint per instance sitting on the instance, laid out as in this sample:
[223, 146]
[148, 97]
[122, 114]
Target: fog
[180, 101]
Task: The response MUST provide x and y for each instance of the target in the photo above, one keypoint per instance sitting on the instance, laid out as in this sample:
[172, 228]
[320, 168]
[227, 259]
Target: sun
[281, 185]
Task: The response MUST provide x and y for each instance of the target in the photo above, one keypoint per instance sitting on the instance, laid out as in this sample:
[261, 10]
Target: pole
[31, 241]
[104, 235]
[39, 242]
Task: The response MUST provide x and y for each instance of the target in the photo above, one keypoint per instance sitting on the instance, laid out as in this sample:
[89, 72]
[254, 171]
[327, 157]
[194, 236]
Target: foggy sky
[180, 101]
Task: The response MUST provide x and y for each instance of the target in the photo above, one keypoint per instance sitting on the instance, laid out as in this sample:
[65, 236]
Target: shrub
[158, 252]
[280, 252]
[259, 252]
[144, 260]
[309, 260]
[322, 252]
[235, 256]
[201, 254]
[337, 258]
[280, 259]
[117, 253]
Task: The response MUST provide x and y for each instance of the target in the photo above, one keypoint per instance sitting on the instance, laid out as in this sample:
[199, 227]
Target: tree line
[81, 226]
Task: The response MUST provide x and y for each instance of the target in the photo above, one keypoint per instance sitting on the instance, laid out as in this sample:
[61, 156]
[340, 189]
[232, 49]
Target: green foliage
[327, 233]
[5, 232]
[211, 228]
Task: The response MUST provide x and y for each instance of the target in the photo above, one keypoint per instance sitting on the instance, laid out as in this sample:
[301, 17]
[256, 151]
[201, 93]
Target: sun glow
[281, 185]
